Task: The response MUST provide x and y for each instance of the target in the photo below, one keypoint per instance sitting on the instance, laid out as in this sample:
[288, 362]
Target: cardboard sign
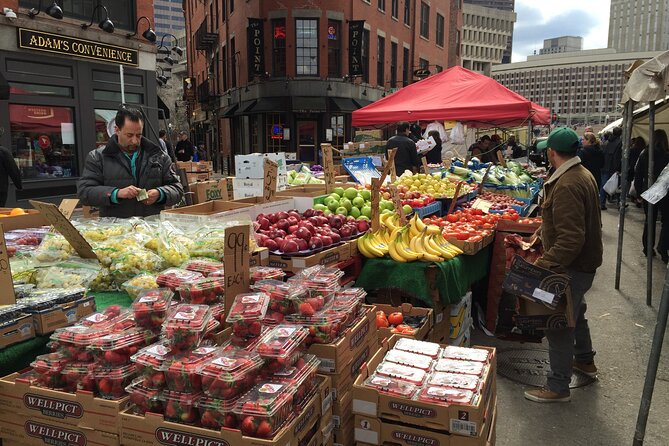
[485, 178]
[236, 259]
[269, 184]
[501, 159]
[483, 205]
[7, 297]
[390, 167]
[67, 206]
[328, 168]
[376, 191]
[426, 169]
[395, 196]
[65, 227]
[455, 198]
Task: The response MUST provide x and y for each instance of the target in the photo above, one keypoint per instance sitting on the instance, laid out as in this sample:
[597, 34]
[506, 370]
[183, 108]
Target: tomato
[476, 238]
[404, 329]
[381, 321]
[462, 235]
[395, 318]
[452, 218]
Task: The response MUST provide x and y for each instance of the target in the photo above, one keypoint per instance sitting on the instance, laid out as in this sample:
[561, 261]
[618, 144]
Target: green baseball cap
[562, 139]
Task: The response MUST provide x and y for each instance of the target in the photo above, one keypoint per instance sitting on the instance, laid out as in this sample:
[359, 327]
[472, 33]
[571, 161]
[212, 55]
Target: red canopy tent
[456, 94]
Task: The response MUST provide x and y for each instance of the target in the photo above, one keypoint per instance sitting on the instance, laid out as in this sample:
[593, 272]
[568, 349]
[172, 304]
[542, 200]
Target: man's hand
[154, 195]
[127, 193]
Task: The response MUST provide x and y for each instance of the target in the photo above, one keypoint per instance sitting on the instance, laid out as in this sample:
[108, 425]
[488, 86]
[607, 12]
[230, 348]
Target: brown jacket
[571, 230]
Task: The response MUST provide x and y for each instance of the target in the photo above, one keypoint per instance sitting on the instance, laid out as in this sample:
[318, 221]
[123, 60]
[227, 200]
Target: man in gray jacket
[115, 175]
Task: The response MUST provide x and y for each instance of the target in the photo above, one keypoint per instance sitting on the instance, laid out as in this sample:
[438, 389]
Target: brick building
[292, 88]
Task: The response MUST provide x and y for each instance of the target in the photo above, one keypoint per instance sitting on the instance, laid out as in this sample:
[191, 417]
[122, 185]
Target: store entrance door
[306, 141]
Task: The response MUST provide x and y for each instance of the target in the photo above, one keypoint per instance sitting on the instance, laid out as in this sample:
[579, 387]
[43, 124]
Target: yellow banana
[413, 244]
[432, 229]
[431, 258]
[389, 223]
[362, 246]
[443, 252]
[377, 241]
[406, 252]
[413, 226]
[419, 223]
[393, 249]
[443, 243]
[424, 242]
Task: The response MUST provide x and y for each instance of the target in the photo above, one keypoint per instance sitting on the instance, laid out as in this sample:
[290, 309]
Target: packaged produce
[258, 273]
[247, 312]
[173, 249]
[391, 386]
[264, 409]
[230, 373]
[281, 342]
[30, 377]
[350, 296]
[113, 318]
[211, 328]
[49, 369]
[405, 373]
[104, 282]
[324, 327]
[203, 266]
[301, 377]
[22, 290]
[280, 295]
[73, 342]
[248, 344]
[144, 281]
[115, 349]
[9, 313]
[40, 300]
[181, 407]
[217, 413]
[456, 380]
[419, 347]
[54, 248]
[409, 359]
[134, 263]
[218, 312]
[149, 363]
[144, 399]
[181, 369]
[466, 354]
[112, 381]
[173, 278]
[308, 304]
[445, 395]
[203, 292]
[456, 366]
[150, 307]
[79, 376]
[186, 326]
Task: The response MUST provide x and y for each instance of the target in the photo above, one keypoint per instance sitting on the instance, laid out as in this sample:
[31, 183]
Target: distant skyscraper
[639, 25]
[562, 44]
[505, 5]
[169, 17]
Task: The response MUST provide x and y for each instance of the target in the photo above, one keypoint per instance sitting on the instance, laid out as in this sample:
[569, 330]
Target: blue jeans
[602, 192]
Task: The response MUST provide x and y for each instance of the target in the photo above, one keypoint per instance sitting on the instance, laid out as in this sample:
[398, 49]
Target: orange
[17, 211]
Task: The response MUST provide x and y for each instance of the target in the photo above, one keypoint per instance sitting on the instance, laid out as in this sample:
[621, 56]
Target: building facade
[502, 5]
[485, 33]
[65, 87]
[285, 75]
[639, 25]
[564, 44]
[169, 16]
[581, 87]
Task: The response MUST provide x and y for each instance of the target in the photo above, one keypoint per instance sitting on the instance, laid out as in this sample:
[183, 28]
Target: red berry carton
[419, 347]
[324, 327]
[116, 349]
[258, 273]
[181, 407]
[203, 266]
[144, 399]
[113, 318]
[402, 372]
[218, 273]
[73, 342]
[455, 380]
[263, 410]
[282, 343]
[49, 369]
[212, 329]
[391, 386]
[281, 295]
[216, 413]
[181, 369]
[150, 307]
[456, 366]
[230, 373]
[112, 381]
[465, 354]
[248, 344]
[186, 325]
[409, 359]
[445, 395]
[347, 315]
[247, 312]
[173, 278]
[349, 300]
[301, 377]
[79, 376]
[308, 304]
[204, 291]
[149, 362]
[218, 312]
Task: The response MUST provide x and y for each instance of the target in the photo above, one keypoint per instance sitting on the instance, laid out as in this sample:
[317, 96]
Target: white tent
[640, 124]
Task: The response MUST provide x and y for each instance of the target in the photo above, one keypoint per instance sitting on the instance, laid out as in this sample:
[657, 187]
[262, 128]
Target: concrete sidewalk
[622, 326]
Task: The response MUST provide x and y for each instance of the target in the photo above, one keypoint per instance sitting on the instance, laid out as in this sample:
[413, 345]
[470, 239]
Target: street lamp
[54, 11]
[149, 34]
[176, 48]
[161, 78]
[106, 25]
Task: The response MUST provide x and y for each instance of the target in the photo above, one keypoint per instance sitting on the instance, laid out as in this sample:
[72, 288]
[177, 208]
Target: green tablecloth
[19, 356]
[454, 277]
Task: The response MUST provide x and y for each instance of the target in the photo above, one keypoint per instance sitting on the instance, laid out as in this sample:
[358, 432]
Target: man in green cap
[571, 235]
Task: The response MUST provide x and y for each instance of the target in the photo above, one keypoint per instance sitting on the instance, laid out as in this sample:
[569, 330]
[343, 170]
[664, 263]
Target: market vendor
[406, 155]
[130, 176]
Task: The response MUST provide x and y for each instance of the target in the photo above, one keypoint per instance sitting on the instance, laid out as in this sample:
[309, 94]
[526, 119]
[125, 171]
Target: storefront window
[279, 47]
[276, 125]
[337, 126]
[306, 36]
[334, 48]
[43, 141]
[39, 90]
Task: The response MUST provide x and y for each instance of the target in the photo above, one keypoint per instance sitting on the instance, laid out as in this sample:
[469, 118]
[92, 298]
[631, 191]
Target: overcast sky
[539, 20]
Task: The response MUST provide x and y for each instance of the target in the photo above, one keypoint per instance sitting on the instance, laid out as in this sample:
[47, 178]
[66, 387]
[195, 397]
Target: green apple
[327, 212]
[363, 217]
[341, 211]
[346, 203]
[333, 205]
[407, 209]
[354, 212]
[351, 193]
[327, 200]
[339, 191]
[335, 196]
[366, 211]
[320, 207]
[358, 202]
[367, 195]
[385, 204]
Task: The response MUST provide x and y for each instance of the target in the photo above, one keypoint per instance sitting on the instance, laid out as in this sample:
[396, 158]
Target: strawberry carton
[73, 342]
[465, 354]
[282, 346]
[419, 347]
[391, 386]
[454, 380]
[144, 399]
[116, 349]
[186, 326]
[409, 359]
[230, 373]
[212, 329]
[350, 300]
[402, 372]
[301, 377]
[218, 312]
[203, 266]
[263, 410]
[247, 312]
[258, 273]
[324, 327]
[181, 407]
[208, 291]
[281, 297]
[149, 362]
[150, 307]
[112, 381]
[181, 369]
[113, 318]
[445, 395]
[310, 304]
[217, 414]
[49, 369]
[79, 376]
[456, 366]
[173, 278]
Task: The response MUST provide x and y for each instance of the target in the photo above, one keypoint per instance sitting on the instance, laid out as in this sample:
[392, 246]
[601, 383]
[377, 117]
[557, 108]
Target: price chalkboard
[236, 259]
[269, 184]
[328, 168]
[7, 296]
[65, 227]
[376, 191]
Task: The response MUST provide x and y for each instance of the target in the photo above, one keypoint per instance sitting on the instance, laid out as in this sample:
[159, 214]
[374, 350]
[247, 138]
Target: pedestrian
[434, 155]
[166, 145]
[201, 153]
[480, 148]
[406, 155]
[571, 235]
[185, 150]
[613, 154]
[641, 182]
[513, 150]
[638, 145]
[128, 166]
[592, 157]
[8, 169]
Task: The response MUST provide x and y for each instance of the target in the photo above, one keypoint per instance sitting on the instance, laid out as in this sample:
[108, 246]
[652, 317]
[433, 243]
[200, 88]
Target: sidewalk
[622, 329]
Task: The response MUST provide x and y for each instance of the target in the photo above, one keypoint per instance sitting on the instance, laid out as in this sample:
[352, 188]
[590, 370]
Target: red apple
[345, 232]
[315, 242]
[259, 216]
[283, 224]
[336, 238]
[290, 246]
[309, 213]
[264, 223]
[282, 215]
[302, 244]
[294, 214]
[327, 240]
[293, 229]
[273, 218]
[279, 243]
[271, 245]
[303, 233]
[293, 220]
[363, 225]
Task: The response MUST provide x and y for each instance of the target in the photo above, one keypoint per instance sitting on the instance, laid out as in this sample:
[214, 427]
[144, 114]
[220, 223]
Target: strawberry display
[282, 343]
[247, 312]
[203, 292]
[144, 399]
[403, 372]
[264, 409]
[180, 407]
[115, 349]
[113, 318]
[186, 325]
[281, 297]
[79, 376]
[181, 369]
[218, 312]
[445, 395]
[258, 273]
[203, 266]
[230, 373]
[409, 359]
[150, 307]
[211, 329]
[301, 377]
[112, 381]
[48, 368]
[173, 278]
[73, 341]
[149, 363]
[392, 386]
[217, 413]
[430, 349]
[324, 327]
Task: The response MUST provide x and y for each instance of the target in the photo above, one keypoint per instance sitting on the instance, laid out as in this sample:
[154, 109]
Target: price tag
[376, 191]
[426, 169]
[236, 259]
[456, 195]
[67, 207]
[395, 196]
[328, 168]
[483, 205]
[65, 227]
[393, 171]
[7, 297]
[269, 185]
[485, 178]
[390, 166]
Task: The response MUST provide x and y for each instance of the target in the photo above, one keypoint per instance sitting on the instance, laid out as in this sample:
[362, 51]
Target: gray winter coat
[107, 168]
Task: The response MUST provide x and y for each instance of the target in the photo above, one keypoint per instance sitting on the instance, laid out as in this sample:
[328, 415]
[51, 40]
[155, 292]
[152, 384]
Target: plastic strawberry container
[456, 366]
[247, 313]
[409, 359]
[465, 354]
[203, 266]
[113, 318]
[150, 307]
[281, 295]
[73, 341]
[445, 395]
[308, 304]
[112, 381]
[419, 347]
[144, 399]
[181, 369]
[217, 413]
[456, 380]
[350, 296]
[392, 386]
[208, 291]
[258, 273]
[230, 373]
[79, 376]
[173, 278]
[248, 344]
[410, 374]
[116, 349]
[218, 312]
[186, 325]
[282, 342]
[149, 362]
[324, 327]
[263, 410]
[212, 329]
[49, 369]
[181, 407]
[301, 377]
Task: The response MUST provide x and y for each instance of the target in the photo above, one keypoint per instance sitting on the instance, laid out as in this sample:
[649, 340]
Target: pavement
[622, 327]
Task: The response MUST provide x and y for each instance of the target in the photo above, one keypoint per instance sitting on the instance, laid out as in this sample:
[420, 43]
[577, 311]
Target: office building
[562, 44]
[503, 5]
[169, 17]
[639, 25]
[485, 33]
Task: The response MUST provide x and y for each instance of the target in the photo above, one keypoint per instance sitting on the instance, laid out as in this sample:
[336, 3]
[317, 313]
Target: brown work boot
[587, 368]
[545, 395]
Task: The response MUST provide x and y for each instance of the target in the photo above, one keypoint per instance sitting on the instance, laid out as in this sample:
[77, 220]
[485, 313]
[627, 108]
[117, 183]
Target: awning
[229, 111]
[362, 102]
[165, 109]
[266, 105]
[343, 104]
[4, 88]
[245, 107]
[308, 104]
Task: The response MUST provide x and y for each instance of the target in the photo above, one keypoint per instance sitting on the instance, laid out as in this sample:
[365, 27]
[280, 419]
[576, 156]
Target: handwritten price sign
[236, 259]
[65, 227]
[328, 167]
[271, 174]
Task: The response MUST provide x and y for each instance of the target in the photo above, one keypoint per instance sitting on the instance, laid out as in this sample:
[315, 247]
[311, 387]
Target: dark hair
[485, 138]
[435, 134]
[639, 143]
[403, 127]
[161, 133]
[617, 131]
[661, 142]
[124, 113]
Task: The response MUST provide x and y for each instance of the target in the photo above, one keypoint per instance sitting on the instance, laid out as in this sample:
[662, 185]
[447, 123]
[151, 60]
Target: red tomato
[395, 318]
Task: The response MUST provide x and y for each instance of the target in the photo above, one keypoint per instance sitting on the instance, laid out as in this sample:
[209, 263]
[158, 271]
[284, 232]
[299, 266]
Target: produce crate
[361, 169]
[31, 219]
[218, 210]
[326, 257]
[430, 209]
[62, 315]
[17, 331]
[407, 309]
[467, 247]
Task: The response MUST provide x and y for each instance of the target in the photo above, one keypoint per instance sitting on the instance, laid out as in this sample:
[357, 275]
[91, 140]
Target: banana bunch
[373, 244]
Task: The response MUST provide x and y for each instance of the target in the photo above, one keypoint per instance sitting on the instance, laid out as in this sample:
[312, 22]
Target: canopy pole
[120, 71]
[528, 141]
[627, 132]
[653, 362]
[650, 220]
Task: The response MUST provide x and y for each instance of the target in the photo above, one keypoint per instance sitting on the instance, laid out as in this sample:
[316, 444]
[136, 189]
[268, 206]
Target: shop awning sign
[72, 46]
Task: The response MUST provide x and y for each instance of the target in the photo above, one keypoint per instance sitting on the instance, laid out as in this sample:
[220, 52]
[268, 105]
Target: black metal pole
[653, 362]
[627, 132]
[650, 220]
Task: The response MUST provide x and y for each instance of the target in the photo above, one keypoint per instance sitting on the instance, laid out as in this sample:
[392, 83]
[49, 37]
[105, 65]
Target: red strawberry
[264, 429]
[306, 309]
[249, 426]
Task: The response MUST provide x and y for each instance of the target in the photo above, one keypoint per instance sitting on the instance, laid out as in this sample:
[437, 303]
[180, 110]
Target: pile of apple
[349, 202]
[292, 232]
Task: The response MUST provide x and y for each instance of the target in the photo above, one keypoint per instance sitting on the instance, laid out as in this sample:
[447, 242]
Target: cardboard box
[63, 315]
[28, 431]
[468, 248]
[209, 190]
[80, 409]
[342, 382]
[330, 256]
[304, 197]
[464, 334]
[197, 176]
[253, 187]
[407, 310]
[259, 257]
[31, 219]
[217, 210]
[460, 311]
[515, 227]
[328, 437]
[344, 437]
[455, 418]
[18, 331]
[258, 206]
[252, 166]
[195, 166]
[353, 244]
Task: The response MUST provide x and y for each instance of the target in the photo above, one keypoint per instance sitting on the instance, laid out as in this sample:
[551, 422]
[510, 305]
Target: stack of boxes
[196, 171]
[461, 321]
[250, 174]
